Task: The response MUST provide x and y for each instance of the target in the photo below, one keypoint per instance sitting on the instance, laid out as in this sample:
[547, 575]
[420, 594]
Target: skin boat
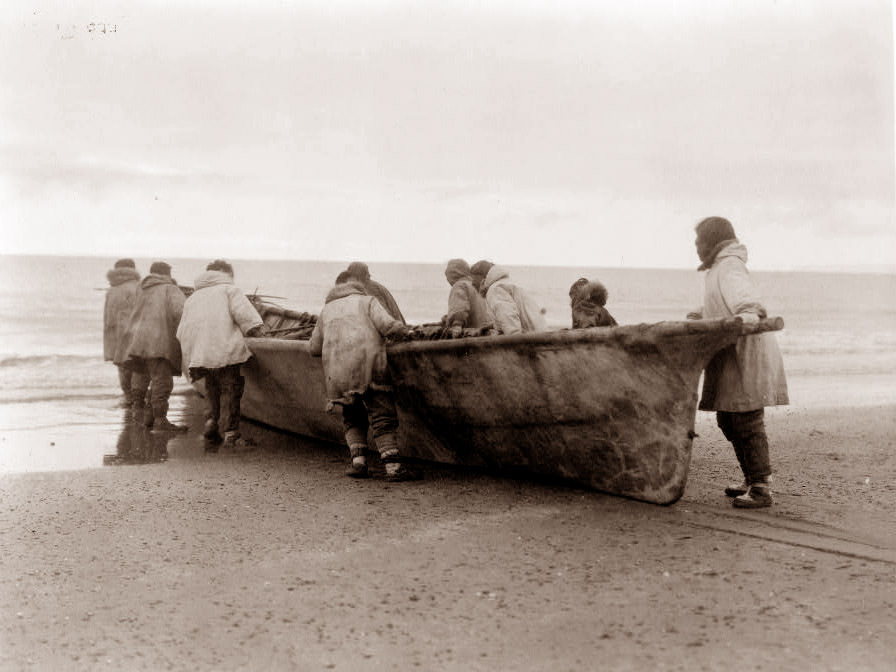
[610, 408]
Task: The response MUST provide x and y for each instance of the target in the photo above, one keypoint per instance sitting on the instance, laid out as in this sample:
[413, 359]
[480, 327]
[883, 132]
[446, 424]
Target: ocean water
[840, 328]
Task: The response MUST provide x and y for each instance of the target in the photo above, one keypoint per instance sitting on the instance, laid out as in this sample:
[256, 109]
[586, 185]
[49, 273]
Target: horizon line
[871, 269]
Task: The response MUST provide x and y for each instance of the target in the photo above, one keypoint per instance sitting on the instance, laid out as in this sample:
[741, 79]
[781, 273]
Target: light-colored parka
[749, 375]
[152, 328]
[349, 336]
[215, 318]
[120, 299]
[514, 310]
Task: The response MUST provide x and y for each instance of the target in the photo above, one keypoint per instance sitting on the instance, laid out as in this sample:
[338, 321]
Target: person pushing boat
[466, 307]
[216, 317]
[150, 347]
[358, 271]
[120, 299]
[514, 310]
[348, 336]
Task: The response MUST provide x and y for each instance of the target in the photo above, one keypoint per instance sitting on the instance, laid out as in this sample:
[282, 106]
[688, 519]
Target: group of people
[153, 331]
[483, 296]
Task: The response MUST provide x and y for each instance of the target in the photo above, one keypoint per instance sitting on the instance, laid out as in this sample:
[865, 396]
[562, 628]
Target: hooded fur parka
[120, 299]
[215, 318]
[466, 307]
[749, 375]
[152, 329]
[349, 336]
[514, 310]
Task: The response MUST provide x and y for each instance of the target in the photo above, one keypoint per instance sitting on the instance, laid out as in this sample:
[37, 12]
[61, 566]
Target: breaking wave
[13, 361]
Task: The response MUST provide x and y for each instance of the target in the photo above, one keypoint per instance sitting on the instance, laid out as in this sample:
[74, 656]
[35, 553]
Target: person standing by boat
[515, 312]
[742, 379]
[215, 318]
[120, 299]
[466, 307]
[349, 337]
[358, 271]
[588, 299]
[150, 347]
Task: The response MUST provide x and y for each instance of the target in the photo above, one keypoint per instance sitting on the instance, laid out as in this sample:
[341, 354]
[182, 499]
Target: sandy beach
[269, 558]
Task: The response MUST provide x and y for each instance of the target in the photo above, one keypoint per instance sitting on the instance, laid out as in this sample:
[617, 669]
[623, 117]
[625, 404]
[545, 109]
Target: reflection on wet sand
[138, 445]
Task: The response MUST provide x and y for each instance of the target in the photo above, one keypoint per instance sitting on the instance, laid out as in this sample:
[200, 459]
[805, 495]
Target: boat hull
[609, 408]
[285, 389]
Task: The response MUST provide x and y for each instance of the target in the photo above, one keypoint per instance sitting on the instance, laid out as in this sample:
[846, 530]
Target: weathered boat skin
[612, 409]
[609, 408]
[285, 389]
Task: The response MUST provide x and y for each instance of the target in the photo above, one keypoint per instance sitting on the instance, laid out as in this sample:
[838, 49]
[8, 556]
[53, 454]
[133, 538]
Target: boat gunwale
[629, 334]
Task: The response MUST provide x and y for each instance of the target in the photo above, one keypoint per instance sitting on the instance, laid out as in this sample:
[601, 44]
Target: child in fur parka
[587, 299]
[349, 337]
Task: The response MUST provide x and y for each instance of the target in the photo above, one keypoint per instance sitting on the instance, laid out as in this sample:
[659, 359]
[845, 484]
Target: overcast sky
[555, 132]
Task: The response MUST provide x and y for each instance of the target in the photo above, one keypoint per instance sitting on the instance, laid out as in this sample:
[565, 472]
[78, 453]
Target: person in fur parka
[150, 347]
[359, 272]
[587, 299]
[466, 307]
[742, 379]
[216, 317]
[349, 336]
[120, 299]
[515, 312]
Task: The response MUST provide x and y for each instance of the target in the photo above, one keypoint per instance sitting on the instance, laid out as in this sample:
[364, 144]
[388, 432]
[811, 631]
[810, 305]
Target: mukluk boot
[161, 423]
[358, 466]
[737, 489]
[757, 496]
[396, 470]
[210, 431]
[165, 425]
[233, 439]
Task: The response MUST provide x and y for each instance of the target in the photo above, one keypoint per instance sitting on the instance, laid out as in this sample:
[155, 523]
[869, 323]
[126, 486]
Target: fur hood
[734, 248]
[456, 269]
[119, 276]
[212, 278]
[154, 280]
[345, 289]
[727, 248]
[593, 292]
[495, 273]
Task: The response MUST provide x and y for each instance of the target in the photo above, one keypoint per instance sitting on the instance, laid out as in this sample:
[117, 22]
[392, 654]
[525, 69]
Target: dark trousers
[374, 409]
[159, 378]
[746, 432]
[224, 389]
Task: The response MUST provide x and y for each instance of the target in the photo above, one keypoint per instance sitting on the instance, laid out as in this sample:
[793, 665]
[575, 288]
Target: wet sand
[269, 558]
